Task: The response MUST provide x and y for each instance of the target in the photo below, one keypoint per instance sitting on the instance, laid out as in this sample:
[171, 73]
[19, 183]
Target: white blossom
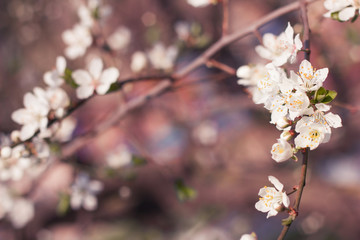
[311, 136]
[308, 78]
[200, 3]
[120, 39]
[249, 76]
[94, 79]
[6, 201]
[14, 162]
[54, 78]
[33, 117]
[77, 39]
[64, 130]
[321, 125]
[17, 209]
[93, 10]
[57, 99]
[162, 58]
[281, 151]
[21, 213]
[271, 199]
[346, 9]
[182, 30]
[138, 61]
[119, 158]
[83, 192]
[251, 236]
[206, 133]
[280, 49]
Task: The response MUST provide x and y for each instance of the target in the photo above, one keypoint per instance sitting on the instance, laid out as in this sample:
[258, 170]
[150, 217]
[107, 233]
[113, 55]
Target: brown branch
[228, 39]
[166, 85]
[305, 152]
[223, 67]
[225, 21]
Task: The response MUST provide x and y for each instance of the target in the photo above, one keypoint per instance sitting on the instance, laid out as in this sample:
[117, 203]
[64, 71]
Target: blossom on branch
[308, 78]
[272, 199]
[55, 78]
[343, 10]
[280, 49]
[281, 151]
[33, 117]
[77, 39]
[83, 192]
[162, 58]
[316, 128]
[94, 79]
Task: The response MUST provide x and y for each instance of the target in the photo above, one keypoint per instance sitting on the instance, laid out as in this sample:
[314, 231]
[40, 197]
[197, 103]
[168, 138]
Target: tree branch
[166, 85]
[305, 152]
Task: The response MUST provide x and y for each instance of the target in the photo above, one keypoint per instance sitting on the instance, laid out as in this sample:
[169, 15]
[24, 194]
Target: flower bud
[286, 135]
[281, 151]
[282, 123]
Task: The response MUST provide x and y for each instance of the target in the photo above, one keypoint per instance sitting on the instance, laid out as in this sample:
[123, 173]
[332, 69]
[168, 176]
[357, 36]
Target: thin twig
[225, 21]
[221, 66]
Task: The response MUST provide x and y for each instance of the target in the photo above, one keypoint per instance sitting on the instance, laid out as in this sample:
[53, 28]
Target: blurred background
[202, 150]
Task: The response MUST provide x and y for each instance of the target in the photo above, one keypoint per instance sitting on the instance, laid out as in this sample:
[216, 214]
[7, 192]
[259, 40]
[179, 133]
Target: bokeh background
[208, 134]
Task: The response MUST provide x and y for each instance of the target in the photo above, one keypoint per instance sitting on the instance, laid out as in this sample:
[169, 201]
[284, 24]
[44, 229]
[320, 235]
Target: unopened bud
[15, 136]
[286, 135]
[282, 123]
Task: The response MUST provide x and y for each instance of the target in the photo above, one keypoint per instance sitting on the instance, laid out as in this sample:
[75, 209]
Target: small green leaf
[138, 161]
[184, 192]
[64, 204]
[114, 87]
[320, 94]
[331, 95]
[68, 78]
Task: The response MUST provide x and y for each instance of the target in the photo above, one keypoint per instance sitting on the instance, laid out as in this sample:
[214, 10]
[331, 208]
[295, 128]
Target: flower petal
[109, 76]
[60, 64]
[82, 77]
[84, 91]
[333, 120]
[95, 67]
[278, 185]
[28, 130]
[347, 13]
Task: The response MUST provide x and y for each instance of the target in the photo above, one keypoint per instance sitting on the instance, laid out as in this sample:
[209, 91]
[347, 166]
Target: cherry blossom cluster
[297, 101]
[25, 153]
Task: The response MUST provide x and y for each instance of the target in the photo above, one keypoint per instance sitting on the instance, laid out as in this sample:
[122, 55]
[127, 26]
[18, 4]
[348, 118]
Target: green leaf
[64, 204]
[138, 161]
[320, 94]
[184, 192]
[331, 95]
[324, 96]
[68, 78]
[114, 87]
